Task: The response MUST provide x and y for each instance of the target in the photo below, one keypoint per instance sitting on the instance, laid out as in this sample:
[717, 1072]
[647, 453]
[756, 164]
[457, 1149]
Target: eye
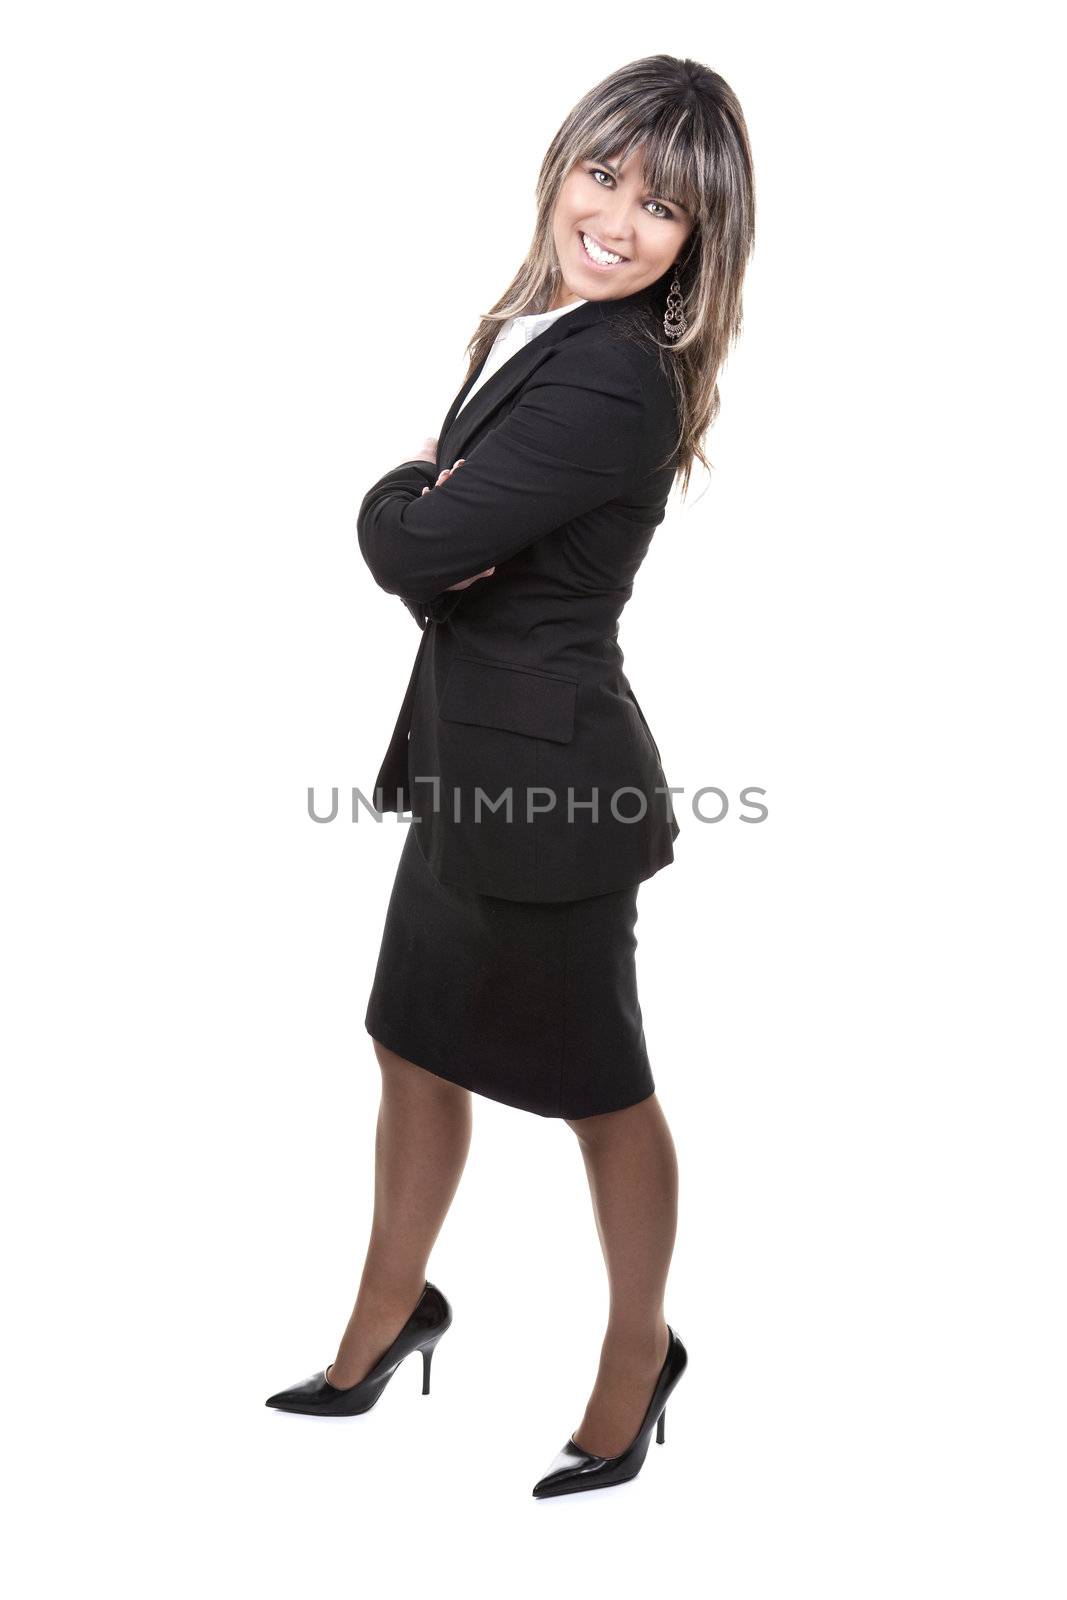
[663, 214]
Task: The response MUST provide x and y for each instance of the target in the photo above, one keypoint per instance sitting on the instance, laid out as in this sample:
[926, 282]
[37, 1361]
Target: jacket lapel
[460, 426]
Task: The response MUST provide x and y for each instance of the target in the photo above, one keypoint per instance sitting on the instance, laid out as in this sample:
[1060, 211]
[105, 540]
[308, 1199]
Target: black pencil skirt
[531, 1004]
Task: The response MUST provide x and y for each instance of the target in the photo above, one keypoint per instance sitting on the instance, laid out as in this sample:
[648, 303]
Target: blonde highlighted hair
[695, 148]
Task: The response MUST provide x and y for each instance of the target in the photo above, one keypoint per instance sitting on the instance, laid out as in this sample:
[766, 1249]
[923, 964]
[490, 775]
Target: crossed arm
[442, 605]
[572, 442]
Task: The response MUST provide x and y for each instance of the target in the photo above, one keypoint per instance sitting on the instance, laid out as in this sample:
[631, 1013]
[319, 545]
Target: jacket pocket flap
[494, 694]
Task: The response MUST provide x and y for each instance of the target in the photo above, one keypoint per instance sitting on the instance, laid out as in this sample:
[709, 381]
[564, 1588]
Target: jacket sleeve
[419, 609]
[572, 441]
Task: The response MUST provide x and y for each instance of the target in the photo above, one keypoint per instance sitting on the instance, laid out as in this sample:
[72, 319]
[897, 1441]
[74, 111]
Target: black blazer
[518, 685]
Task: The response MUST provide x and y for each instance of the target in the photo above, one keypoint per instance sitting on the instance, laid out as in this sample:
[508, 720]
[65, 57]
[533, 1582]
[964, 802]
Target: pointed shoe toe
[575, 1469]
[318, 1397]
[566, 1472]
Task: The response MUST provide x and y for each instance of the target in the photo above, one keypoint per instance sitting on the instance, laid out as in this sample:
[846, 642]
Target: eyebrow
[670, 201]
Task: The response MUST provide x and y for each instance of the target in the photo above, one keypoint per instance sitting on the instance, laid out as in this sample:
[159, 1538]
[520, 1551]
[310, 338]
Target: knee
[591, 1130]
[401, 1077]
[394, 1068]
[385, 1056]
[607, 1125]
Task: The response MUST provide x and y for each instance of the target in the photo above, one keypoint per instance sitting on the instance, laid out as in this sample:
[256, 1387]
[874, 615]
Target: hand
[464, 583]
[446, 472]
[427, 453]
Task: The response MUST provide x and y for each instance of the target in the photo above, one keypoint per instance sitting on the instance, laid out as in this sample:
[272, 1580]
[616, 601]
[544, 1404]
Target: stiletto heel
[575, 1468]
[318, 1397]
[427, 1357]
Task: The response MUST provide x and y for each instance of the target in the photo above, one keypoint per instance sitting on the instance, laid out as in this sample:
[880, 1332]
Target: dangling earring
[674, 323]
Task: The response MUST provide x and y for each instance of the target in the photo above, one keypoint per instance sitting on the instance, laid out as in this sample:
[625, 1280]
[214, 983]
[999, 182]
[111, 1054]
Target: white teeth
[605, 257]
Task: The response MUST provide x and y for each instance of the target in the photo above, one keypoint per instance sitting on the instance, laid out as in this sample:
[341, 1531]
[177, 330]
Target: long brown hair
[695, 148]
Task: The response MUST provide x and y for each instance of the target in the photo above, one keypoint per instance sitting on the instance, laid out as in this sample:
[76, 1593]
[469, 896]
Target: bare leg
[632, 1167]
[421, 1145]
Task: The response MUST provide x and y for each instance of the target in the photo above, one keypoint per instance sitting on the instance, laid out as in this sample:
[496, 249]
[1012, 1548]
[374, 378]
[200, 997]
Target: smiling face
[612, 235]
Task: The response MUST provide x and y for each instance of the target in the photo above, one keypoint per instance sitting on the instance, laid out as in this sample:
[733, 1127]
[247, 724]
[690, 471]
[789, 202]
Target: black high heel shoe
[318, 1397]
[575, 1468]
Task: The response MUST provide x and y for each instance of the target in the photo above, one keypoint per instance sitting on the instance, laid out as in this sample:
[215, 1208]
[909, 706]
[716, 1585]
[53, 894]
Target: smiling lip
[599, 265]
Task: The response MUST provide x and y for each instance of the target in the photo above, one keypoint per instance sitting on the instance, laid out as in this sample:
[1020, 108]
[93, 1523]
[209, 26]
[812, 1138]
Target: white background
[246, 246]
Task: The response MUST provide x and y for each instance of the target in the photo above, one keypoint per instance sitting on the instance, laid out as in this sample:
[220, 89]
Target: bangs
[670, 163]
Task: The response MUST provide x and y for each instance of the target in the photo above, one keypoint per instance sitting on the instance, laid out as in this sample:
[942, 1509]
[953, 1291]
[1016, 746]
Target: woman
[507, 966]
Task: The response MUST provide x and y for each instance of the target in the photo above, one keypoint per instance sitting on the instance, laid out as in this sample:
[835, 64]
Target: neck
[563, 297]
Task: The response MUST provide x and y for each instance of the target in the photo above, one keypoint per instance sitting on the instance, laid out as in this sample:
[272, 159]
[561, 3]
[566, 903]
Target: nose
[614, 231]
